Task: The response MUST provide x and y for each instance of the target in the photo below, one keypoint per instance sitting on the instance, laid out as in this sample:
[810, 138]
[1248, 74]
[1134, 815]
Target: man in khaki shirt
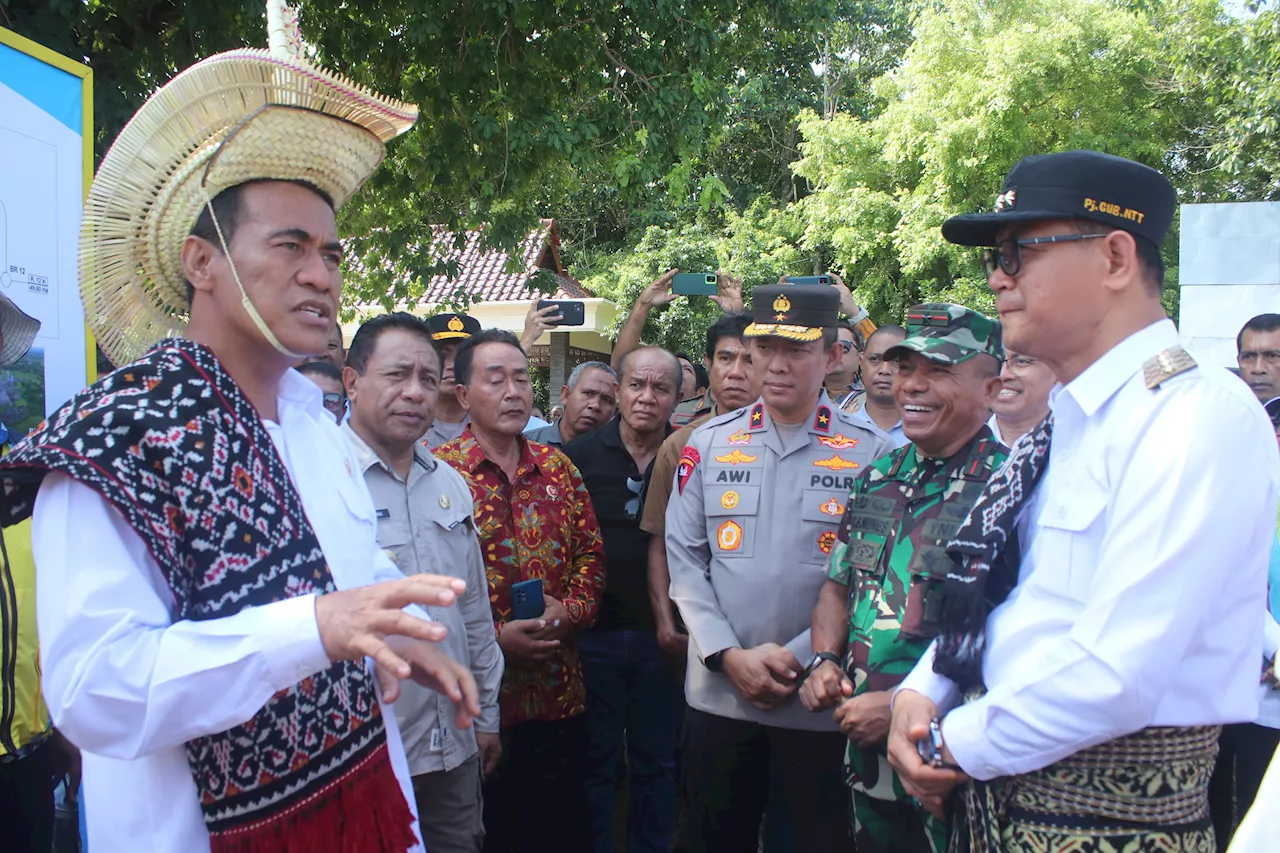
[424, 520]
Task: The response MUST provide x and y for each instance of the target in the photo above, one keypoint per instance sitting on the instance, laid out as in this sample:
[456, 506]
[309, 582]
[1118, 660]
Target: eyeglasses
[846, 345]
[1007, 254]
[334, 400]
[634, 485]
[1273, 411]
[1019, 363]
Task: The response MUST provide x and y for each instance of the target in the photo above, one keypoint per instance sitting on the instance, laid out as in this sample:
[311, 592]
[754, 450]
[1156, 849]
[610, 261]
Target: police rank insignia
[838, 442]
[757, 416]
[781, 305]
[832, 508]
[822, 420]
[729, 500]
[737, 457]
[740, 437]
[826, 541]
[729, 536]
[689, 459]
[836, 463]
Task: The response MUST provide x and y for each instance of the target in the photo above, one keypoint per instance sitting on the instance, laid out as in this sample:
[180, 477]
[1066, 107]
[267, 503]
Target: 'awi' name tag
[436, 744]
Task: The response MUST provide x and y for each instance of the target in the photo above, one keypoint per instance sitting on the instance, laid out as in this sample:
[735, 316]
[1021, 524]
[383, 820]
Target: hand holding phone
[526, 599]
[572, 312]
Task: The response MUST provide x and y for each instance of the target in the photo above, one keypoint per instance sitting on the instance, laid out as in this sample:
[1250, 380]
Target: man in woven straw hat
[207, 630]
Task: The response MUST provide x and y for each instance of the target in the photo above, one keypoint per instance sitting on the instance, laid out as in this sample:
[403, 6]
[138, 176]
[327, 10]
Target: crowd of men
[834, 588]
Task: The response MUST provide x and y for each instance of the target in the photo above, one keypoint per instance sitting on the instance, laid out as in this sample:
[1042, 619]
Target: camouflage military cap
[949, 334]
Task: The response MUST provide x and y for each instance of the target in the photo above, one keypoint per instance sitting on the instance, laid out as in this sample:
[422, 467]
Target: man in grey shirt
[425, 522]
[758, 494]
[590, 399]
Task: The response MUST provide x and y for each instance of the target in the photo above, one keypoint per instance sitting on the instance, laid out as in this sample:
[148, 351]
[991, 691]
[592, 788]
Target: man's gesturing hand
[355, 623]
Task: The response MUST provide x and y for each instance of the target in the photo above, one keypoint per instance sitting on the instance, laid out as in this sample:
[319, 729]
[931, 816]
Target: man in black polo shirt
[629, 690]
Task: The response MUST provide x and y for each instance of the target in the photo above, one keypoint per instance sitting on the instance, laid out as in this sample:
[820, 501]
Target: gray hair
[572, 381]
[677, 372]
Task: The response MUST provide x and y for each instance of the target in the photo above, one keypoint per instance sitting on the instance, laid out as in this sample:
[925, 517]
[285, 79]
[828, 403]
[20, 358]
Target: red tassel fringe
[364, 811]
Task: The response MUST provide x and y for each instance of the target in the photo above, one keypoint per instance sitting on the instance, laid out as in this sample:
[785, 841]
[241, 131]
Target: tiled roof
[483, 274]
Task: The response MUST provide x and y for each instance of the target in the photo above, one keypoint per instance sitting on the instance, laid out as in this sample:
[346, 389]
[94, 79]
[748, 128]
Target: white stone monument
[1228, 271]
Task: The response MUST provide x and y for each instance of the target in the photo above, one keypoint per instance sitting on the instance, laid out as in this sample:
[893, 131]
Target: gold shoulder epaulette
[1166, 365]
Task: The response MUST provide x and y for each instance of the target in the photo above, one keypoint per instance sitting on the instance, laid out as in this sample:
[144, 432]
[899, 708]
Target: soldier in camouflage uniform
[877, 612]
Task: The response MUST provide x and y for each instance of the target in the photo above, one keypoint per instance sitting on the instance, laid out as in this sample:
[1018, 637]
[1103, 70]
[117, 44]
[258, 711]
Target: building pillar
[560, 369]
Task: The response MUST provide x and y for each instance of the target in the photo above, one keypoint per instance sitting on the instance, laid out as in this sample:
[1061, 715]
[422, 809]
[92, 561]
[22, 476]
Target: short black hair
[463, 358]
[320, 368]
[678, 372]
[895, 329]
[685, 356]
[227, 207]
[830, 335]
[366, 339]
[1149, 256]
[1261, 323]
[731, 325]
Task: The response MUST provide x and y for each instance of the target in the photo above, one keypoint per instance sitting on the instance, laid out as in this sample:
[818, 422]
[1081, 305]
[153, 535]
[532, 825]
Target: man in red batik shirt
[534, 520]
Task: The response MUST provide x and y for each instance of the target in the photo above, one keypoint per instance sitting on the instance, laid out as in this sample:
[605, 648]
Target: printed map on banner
[29, 227]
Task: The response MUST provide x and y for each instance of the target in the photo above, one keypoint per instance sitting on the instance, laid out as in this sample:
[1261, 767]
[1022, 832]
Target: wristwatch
[930, 748]
[818, 660]
[715, 662]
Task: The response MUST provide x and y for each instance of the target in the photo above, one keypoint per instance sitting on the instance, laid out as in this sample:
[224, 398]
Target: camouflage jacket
[891, 553]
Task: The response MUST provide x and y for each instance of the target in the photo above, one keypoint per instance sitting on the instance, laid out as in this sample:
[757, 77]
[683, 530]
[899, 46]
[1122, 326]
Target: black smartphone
[808, 279]
[695, 283]
[571, 311]
[526, 597]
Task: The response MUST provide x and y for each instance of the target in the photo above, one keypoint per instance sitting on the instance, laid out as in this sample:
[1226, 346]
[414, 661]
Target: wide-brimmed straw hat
[18, 331]
[236, 117]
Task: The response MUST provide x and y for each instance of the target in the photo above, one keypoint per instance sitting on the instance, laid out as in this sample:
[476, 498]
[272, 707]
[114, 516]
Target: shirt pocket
[733, 514]
[820, 514]
[1067, 540]
[395, 538]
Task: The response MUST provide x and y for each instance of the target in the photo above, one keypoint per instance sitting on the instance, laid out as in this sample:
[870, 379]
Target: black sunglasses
[333, 398]
[634, 485]
[1007, 254]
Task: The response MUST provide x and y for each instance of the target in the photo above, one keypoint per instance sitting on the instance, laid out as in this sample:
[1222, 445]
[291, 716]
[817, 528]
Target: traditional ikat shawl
[174, 445]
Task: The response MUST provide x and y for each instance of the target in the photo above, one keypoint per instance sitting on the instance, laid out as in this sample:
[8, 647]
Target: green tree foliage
[759, 246]
[982, 85]
[758, 136]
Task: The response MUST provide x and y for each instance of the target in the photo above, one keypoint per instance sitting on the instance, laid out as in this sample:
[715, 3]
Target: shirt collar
[611, 432]
[298, 395]
[1102, 379]
[367, 457]
[474, 455]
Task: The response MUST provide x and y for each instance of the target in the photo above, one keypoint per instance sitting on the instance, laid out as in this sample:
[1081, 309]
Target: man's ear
[198, 258]
[460, 391]
[1123, 266]
[349, 378]
[835, 354]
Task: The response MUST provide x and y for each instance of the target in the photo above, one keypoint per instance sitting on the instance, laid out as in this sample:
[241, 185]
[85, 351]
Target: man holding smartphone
[752, 517]
[535, 521]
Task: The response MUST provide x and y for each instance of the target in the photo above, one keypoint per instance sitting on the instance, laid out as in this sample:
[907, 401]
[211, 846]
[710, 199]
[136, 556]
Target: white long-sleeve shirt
[1145, 552]
[129, 685]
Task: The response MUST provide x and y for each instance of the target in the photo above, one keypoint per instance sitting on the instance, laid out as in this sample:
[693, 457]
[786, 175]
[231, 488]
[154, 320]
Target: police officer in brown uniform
[758, 495]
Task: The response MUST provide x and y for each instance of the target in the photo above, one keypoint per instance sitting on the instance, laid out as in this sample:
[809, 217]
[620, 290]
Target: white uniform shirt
[896, 435]
[1145, 550]
[129, 685]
